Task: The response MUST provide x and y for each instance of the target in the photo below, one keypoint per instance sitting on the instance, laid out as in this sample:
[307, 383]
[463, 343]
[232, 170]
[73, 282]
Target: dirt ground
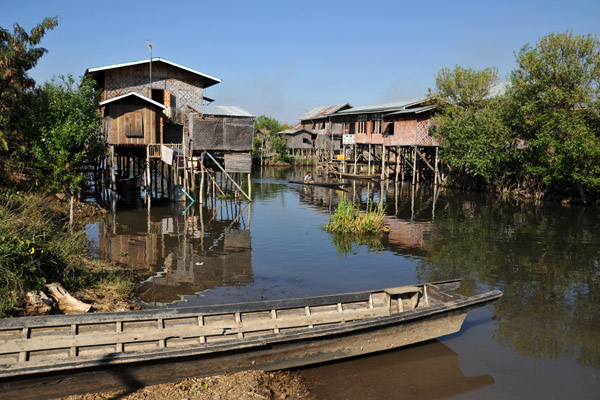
[247, 385]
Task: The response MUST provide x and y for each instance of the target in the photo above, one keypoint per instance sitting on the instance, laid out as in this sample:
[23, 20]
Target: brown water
[541, 340]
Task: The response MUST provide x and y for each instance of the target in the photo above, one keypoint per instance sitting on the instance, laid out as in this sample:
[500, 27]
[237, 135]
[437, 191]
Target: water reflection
[427, 371]
[544, 257]
[184, 252]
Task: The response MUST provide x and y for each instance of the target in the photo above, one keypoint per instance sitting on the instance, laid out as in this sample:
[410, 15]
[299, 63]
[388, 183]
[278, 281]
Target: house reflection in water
[184, 254]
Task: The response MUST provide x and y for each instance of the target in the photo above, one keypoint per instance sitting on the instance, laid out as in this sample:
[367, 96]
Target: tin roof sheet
[211, 79]
[382, 107]
[232, 111]
[414, 110]
[320, 112]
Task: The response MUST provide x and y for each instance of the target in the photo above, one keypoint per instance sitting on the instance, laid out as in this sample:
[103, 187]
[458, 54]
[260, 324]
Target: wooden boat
[355, 176]
[324, 184]
[152, 346]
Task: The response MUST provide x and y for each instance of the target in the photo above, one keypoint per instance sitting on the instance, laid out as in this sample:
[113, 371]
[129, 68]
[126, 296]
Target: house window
[377, 123]
[158, 95]
[361, 126]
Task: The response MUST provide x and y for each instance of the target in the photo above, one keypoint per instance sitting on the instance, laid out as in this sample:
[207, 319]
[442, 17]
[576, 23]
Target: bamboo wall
[181, 87]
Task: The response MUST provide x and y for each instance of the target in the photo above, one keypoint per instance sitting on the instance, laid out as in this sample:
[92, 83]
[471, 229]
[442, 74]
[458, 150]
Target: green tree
[70, 135]
[18, 54]
[555, 99]
[470, 124]
[268, 128]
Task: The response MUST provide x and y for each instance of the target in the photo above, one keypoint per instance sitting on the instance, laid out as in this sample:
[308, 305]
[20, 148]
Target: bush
[35, 248]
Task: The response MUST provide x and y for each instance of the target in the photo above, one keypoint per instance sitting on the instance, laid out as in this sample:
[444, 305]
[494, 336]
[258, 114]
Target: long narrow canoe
[152, 346]
[324, 184]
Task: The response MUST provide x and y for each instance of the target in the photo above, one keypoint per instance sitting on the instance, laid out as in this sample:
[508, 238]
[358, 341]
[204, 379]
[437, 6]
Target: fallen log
[66, 303]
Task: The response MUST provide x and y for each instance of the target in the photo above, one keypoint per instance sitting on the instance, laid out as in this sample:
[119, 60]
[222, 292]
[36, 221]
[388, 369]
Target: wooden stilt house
[328, 134]
[393, 138]
[150, 108]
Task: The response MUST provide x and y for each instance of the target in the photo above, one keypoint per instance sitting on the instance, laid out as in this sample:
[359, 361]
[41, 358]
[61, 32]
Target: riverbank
[37, 246]
[242, 385]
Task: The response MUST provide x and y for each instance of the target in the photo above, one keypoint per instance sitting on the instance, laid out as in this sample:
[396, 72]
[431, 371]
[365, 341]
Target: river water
[540, 340]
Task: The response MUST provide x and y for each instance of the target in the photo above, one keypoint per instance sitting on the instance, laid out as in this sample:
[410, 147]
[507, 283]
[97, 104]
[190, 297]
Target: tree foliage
[69, 132]
[543, 134]
[268, 128]
[18, 54]
[470, 124]
[555, 97]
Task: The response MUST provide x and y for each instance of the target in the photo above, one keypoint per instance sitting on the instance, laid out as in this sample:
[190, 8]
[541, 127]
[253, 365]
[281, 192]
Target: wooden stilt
[414, 175]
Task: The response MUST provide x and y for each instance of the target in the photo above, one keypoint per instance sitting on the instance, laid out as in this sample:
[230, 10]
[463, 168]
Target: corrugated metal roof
[414, 110]
[102, 103]
[231, 111]
[320, 112]
[154, 59]
[382, 107]
[294, 131]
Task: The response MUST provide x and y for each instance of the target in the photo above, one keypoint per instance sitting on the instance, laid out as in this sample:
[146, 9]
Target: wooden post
[355, 157]
[249, 186]
[369, 163]
[201, 189]
[148, 178]
[436, 173]
[414, 177]
[397, 163]
[382, 162]
[113, 173]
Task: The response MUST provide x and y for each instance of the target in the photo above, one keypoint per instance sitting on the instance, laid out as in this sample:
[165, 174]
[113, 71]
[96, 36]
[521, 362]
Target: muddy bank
[242, 385]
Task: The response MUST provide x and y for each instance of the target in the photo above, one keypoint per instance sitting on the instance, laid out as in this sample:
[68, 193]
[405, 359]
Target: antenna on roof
[150, 46]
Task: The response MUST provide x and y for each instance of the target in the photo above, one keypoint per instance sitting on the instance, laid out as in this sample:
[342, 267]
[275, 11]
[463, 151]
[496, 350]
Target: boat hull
[309, 344]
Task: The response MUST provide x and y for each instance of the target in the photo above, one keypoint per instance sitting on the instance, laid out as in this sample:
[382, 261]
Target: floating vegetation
[351, 227]
[348, 219]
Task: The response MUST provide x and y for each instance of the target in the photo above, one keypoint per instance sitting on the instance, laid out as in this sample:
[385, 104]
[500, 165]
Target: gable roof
[210, 80]
[382, 107]
[144, 98]
[320, 112]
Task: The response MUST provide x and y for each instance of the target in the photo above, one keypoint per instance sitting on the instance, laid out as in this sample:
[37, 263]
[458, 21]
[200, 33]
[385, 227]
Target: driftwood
[66, 303]
[37, 303]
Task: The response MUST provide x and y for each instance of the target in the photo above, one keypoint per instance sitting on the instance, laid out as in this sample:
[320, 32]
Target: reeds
[348, 219]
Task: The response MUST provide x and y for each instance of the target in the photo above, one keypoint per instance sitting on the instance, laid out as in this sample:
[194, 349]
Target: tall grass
[35, 247]
[348, 219]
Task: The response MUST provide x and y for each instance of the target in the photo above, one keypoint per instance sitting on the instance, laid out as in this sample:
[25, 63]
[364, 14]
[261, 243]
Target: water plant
[348, 219]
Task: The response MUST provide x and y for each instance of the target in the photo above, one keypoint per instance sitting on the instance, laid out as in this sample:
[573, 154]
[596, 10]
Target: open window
[361, 126]
[158, 95]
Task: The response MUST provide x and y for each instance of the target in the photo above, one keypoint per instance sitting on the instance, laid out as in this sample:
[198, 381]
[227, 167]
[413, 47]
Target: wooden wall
[133, 122]
[297, 141]
[406, 128]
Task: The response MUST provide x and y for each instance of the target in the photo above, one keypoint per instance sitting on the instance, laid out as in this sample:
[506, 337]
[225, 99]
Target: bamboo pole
[227, 175]
[201, 190]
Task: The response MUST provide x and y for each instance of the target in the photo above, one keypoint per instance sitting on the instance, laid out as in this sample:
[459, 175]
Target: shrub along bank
[37, 247]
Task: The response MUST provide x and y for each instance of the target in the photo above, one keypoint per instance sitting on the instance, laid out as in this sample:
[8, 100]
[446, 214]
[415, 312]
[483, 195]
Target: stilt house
[328, 134]
[396, 136]
[151, 107]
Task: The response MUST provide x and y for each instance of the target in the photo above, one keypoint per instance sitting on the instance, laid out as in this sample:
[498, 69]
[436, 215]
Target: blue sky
[282, 58]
